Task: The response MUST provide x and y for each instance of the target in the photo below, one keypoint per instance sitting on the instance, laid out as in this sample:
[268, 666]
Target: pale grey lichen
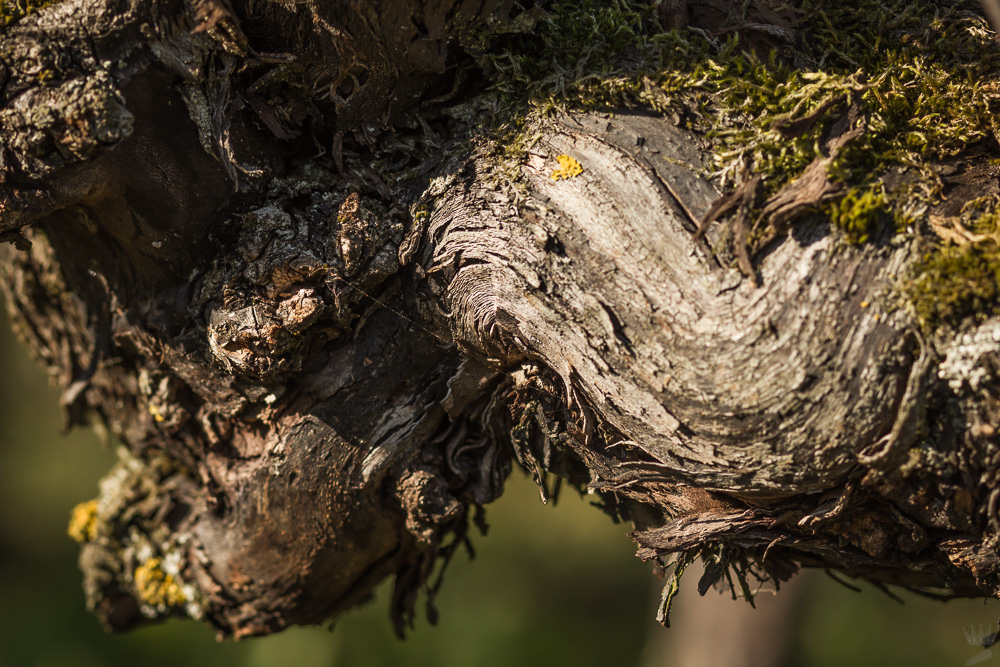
[129, 547]
[964, 363]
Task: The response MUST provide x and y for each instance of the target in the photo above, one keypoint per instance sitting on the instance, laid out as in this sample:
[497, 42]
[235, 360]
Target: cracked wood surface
[755, 391]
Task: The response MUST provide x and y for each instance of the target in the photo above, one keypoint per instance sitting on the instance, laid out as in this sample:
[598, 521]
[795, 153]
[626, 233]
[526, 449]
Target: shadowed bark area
[264, 246]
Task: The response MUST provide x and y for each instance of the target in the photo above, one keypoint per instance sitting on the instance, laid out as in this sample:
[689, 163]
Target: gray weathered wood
[322, 332]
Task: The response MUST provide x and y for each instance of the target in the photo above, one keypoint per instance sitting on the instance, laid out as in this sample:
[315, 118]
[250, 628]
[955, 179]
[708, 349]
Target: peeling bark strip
[268, 251]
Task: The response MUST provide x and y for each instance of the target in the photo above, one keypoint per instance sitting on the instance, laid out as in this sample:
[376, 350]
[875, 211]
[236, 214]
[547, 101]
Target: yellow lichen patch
[83, 522]
[155, 411]
[568, 168]
[156, 587]
[12, 11]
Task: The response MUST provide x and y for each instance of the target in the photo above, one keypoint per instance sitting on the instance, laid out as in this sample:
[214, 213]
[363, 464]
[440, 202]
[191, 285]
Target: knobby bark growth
[277, 250]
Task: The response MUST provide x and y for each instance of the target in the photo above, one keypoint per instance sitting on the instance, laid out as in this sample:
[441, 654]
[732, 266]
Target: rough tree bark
[265, 246]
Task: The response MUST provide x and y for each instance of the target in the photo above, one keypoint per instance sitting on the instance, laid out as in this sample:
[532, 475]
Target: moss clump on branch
[954, 282]
[925, 74]
[857, 213]
[961, 279]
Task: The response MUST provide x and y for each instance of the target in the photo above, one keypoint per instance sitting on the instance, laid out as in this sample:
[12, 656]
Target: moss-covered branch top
[765, 83]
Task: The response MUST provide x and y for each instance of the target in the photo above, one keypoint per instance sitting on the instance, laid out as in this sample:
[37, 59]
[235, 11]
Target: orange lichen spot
[83, 522]
[568, 168]
[156, 587]
[155, 411]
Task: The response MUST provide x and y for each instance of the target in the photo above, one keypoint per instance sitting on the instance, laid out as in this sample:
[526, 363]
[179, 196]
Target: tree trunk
[294, 256]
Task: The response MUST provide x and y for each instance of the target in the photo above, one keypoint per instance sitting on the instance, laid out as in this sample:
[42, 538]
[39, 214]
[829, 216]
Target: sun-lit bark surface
[256, 243]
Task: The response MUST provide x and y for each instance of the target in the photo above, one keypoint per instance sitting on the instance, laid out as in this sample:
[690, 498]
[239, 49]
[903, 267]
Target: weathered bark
[264, 255]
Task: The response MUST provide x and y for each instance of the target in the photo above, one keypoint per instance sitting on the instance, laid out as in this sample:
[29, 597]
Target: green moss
[954, 283]
[926, 74]
[961, 279]
[857, 213]
[12, 11]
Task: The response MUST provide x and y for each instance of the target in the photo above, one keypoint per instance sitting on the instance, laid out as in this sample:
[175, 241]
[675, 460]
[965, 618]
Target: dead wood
[269, 255]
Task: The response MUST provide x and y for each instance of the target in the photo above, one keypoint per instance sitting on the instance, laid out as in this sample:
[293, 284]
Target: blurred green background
[549, 586]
